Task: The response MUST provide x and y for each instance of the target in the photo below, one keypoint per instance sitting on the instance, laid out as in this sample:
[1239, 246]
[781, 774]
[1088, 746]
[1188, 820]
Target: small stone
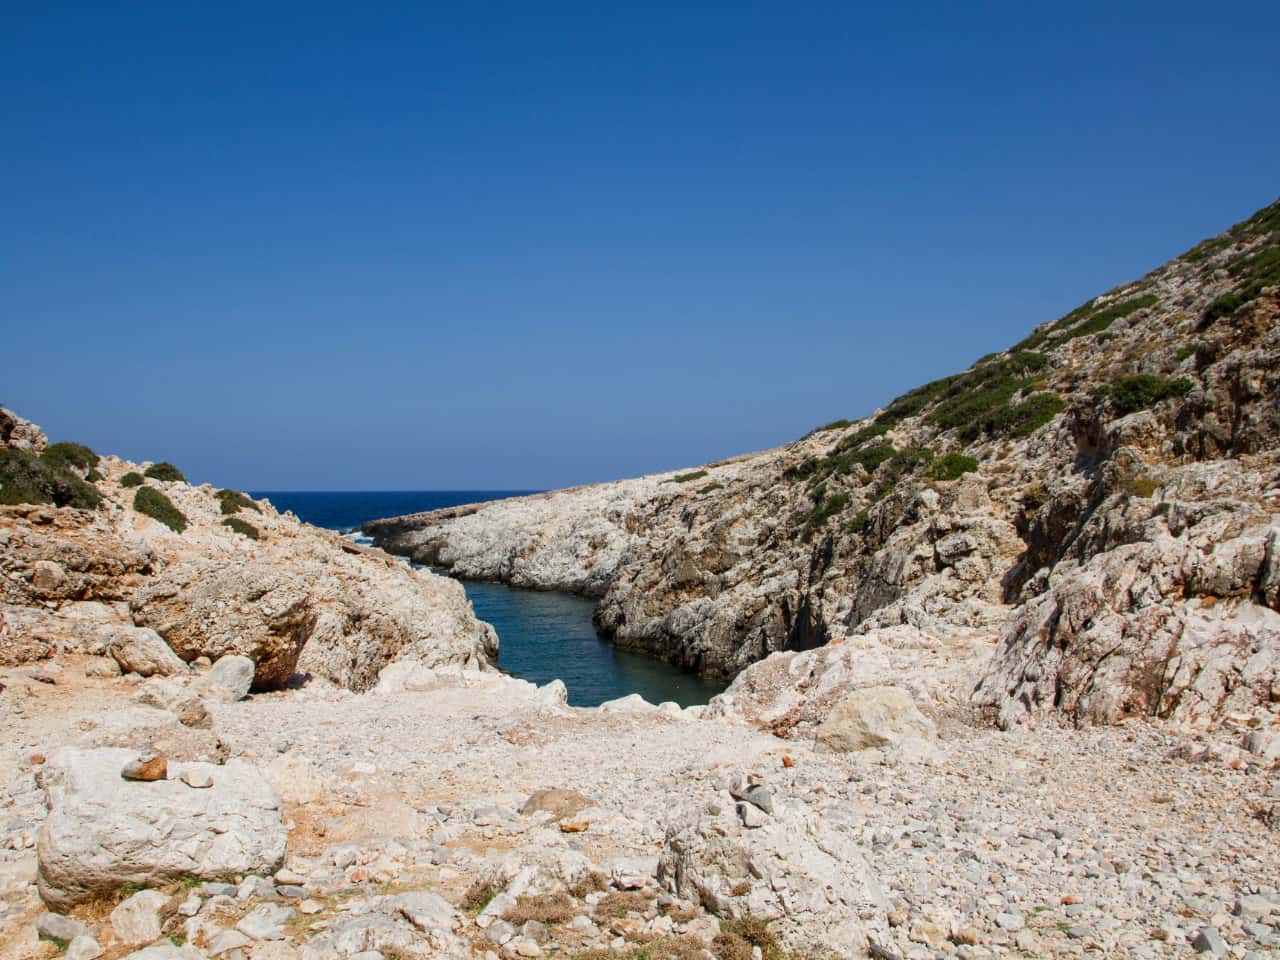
[310, 907]
[137, 920]
[752, 817]
[83, 948]
[227, 941]
[190, 906]
[57, 927]
[527, 948]
[1208, 940]
[265, 922]
[499, 932]
[147, 767]
[574, 826]
[1013, 922]
[196, 779]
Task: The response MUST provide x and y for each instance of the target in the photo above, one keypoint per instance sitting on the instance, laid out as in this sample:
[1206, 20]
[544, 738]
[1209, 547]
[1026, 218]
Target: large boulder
[21, 434]
[790, 868]
[870, 718]
[103, 832]
[215, 606]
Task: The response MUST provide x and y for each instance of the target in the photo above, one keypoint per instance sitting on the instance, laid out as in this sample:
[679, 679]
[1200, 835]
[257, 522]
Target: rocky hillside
[101, 556]
[1102, 497]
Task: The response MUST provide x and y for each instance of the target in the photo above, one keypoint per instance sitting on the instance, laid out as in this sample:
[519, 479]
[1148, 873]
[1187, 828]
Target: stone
[146, 767]
[873, 717]
[104, 832]
[165, 951]
[137, 919]
[103, 668]
[796, 870]
[557, 802]
[751, 816]
[265, 922]
[229, 680]
[144, 652]
[197, 779]
[1208, 940]
[756, 794]
[226, 941]
[59, 927]
[83, 948]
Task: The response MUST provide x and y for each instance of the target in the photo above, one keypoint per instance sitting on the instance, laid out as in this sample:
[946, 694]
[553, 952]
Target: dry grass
[663, 948]
[619, 903]
[591, 883]
[478, 896]
[548, 908]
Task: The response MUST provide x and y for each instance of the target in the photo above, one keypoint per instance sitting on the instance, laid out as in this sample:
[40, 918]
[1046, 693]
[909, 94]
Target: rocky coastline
[1006, 662]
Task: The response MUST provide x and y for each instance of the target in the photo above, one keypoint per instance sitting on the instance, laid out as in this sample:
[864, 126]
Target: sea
[542, 636]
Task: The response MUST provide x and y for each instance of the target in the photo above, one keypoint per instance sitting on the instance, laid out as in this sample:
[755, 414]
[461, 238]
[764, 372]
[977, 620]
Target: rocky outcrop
[1091, 494]
[870, 718]
[104, 832]
[786, 867]
[21, 434]
[295, 600]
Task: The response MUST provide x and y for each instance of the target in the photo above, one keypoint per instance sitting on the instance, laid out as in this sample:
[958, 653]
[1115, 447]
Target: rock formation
[1104, 495]
[292, 598]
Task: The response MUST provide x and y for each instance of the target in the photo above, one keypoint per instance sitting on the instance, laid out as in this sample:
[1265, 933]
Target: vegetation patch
[1142, 390]
[72, 457]
[618, 903]
[154, 504]
[164, 471]
[548, 908]
[833, 425]
[952, 466]
[737, 937]
[1143, 486]
[826, 507]
[1255, 269]
[1024, 418]
[711, 488]
[132, 479]
[859, 523]
[1096, 322]
[25, 478]
[233, 501]
[686, 477]
[478, 896]
[241, 527]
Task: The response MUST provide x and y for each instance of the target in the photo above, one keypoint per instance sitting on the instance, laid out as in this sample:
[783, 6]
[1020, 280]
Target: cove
[542, 636]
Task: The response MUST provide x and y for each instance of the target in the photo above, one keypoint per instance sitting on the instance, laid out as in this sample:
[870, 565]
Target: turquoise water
[543, 636]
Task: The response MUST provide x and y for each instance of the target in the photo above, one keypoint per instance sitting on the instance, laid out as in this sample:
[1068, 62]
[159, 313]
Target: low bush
[132, 479]
[737, 937]
[1096, 322]
[233, 501]
[833, 425]
[859, 522]
[164, 471]
[154, 504]
[25, 478]
[686, 477]
[618, 903]
[478, 896]
[711, 488]
[1143, 486]
[951, 466]
[1142, 390]
[241, 527]
[1025, 418]
[826, 507]
[548, 908]
[71, 456]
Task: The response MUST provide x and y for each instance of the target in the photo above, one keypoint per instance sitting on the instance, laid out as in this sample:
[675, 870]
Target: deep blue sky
[527, 245]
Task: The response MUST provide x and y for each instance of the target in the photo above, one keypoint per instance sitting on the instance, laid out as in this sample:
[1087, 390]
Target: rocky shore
[1005, 685]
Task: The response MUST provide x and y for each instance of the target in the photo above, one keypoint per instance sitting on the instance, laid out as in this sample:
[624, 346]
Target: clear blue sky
[326, 246]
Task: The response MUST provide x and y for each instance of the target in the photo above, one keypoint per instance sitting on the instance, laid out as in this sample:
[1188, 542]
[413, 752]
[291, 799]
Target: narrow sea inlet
[543, 636]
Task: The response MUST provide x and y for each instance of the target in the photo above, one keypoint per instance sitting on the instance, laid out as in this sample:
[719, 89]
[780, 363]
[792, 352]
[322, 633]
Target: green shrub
[1025, 418]
[1184, 352]
[67, 456]
[1142, 390]
[711, 487]
[1143, 486]
[132, 479]
[154, 504]
[951, 466]
[233, 501]
[1099, 321]
[825, 508]
[686, 477]
[833, 425]
[25, 478]
[859, 522]
[164, 471]
[241, 527]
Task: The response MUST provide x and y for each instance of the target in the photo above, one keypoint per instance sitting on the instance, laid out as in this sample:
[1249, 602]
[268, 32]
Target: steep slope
[1104, 495]
[95, 553]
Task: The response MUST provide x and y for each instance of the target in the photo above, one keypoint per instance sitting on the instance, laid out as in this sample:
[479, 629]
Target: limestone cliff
[213, 572]
[1104, 497]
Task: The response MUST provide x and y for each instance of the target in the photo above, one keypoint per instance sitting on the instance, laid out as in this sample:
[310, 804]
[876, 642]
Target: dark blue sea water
[542, 636]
